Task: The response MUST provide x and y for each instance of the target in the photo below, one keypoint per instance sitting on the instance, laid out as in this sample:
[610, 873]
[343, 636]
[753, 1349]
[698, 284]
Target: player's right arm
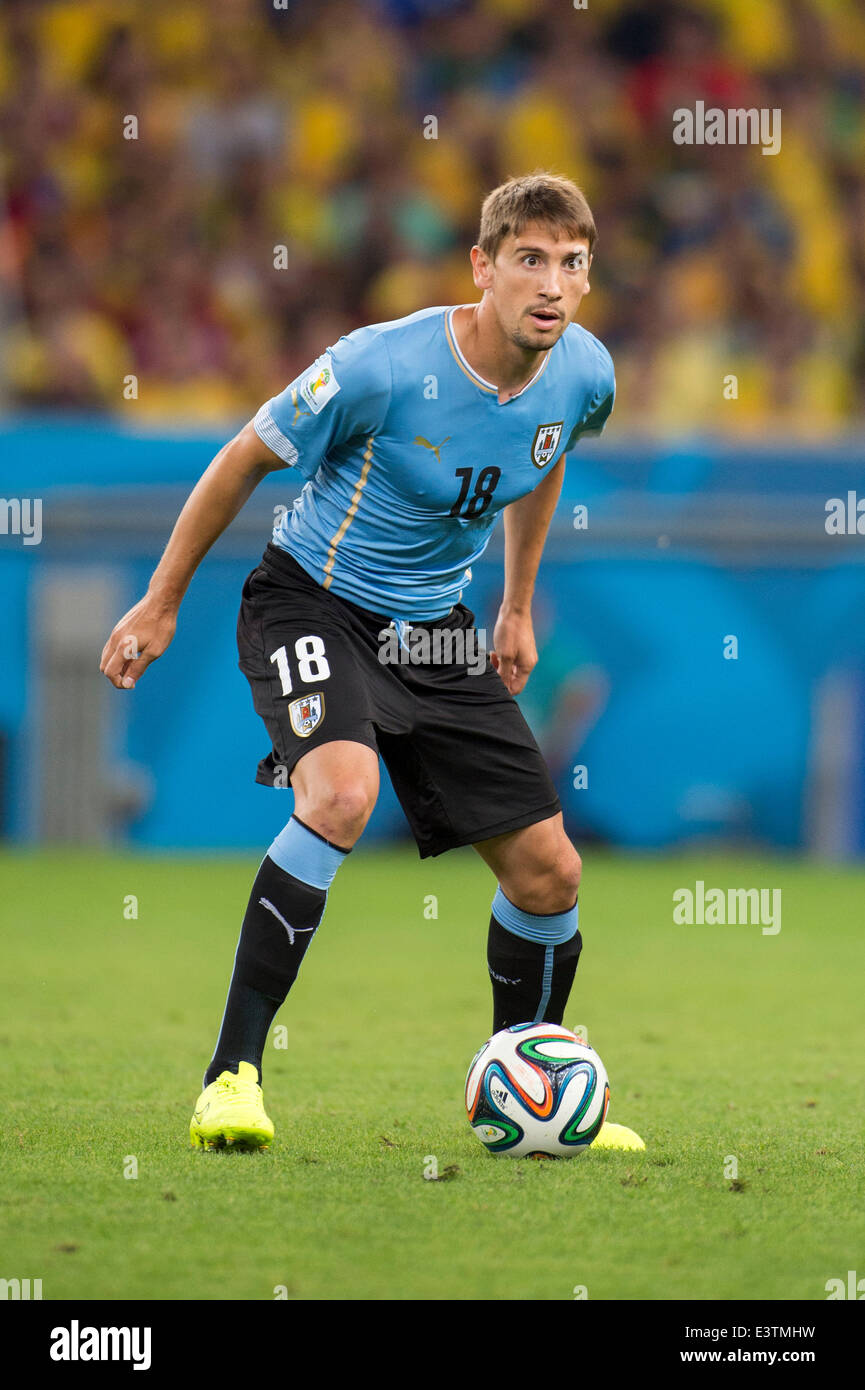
[146, 630]
[345, 393]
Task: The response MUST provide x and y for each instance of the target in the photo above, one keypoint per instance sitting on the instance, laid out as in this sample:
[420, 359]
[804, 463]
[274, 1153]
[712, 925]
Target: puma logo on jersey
[419, 439]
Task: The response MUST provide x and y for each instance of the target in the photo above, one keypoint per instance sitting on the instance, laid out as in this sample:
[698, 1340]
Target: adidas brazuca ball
[536, 1088]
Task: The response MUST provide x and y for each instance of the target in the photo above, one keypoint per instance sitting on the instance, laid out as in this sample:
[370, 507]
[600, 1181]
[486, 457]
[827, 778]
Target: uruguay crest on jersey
[306, 714]
[546, 442]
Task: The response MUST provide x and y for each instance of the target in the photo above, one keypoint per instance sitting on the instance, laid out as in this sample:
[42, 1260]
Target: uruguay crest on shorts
[546, 442]
[306, 714]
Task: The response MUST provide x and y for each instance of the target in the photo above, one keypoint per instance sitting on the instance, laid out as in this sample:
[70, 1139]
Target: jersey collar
[470, 372]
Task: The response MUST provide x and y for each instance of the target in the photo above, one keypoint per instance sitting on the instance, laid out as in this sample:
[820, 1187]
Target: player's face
[536, 284]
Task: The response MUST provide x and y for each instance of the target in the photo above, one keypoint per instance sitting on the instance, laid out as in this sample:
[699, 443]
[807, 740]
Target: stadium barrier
[698, 618]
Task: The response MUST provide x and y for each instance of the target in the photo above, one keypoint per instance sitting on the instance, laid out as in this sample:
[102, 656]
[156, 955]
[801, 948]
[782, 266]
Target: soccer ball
[536, 1088]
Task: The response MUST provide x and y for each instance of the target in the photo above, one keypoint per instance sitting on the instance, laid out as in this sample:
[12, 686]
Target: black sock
[269, 954]
[531, 982]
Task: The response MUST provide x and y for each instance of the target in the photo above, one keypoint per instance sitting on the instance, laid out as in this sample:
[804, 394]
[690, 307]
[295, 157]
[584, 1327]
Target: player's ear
[481, 268]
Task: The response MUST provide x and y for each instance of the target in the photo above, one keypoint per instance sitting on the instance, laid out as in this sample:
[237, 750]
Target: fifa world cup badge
[306, 714]
[319, 384]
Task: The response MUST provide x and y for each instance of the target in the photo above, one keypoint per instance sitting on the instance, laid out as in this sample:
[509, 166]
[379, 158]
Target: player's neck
[490, 353]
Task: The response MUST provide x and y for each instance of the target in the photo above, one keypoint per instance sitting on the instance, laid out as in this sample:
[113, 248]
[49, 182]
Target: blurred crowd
[205, 195]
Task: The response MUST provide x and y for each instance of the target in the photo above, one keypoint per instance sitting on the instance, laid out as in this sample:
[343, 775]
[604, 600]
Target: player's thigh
[470, 769]
[306, 670]
[335, 789]
[537, 866]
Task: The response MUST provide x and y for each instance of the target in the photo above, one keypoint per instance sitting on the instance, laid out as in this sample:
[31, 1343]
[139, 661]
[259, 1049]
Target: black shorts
[461, 757]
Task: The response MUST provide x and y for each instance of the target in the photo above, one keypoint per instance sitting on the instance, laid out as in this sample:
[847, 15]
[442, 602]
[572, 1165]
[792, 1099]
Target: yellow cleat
[617, 1137]
[230, 1112]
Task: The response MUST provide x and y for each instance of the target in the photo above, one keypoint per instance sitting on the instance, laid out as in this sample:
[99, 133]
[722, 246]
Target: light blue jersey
[410, 457]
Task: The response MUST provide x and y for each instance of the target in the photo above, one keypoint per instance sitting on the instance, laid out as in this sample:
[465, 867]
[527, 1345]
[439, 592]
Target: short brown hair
[538, 197]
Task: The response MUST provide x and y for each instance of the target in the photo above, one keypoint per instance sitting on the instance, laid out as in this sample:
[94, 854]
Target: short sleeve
[344, 394]
[601, 404]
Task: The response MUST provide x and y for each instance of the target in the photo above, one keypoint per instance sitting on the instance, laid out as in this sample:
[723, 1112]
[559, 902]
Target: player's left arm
[527, 522]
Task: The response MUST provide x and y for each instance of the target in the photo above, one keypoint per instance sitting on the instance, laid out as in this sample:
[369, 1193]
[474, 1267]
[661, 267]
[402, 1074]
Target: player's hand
[515, 655]
[139, 638]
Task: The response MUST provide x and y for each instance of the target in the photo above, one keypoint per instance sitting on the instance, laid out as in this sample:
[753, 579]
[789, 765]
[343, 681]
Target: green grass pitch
[722, 1044]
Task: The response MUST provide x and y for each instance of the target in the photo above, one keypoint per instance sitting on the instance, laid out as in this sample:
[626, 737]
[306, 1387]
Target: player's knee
[557, 884]
[564, 878]
[339, 811]
[549, 883]
[576, 871]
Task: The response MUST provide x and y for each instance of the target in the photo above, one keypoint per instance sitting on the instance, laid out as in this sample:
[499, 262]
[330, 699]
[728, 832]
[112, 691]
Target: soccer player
[412, 437]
